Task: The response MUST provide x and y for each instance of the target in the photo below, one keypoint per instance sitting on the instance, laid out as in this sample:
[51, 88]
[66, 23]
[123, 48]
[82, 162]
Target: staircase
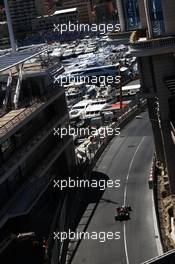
[12, 92]
[8, 88]
[15, 98]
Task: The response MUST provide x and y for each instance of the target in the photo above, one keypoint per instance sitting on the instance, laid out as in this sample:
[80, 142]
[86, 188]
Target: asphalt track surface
[128, 158]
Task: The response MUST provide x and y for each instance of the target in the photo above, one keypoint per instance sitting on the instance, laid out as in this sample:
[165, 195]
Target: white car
[79, 109]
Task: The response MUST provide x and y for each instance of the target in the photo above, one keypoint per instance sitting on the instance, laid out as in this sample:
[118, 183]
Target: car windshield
[78, 107]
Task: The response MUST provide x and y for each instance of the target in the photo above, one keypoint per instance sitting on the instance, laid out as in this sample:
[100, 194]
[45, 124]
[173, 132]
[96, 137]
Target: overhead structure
[11, 60]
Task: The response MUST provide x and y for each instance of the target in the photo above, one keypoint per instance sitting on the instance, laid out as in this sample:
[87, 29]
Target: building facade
[22, 13]
[4, 36]
[131, 14]
[84, 8]
[31, 157]
[58, 17]
[155, 50]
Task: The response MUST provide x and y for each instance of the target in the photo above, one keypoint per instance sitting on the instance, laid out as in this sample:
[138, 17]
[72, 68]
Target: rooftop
[132, 85]
[10, 60]
[64, 11]
[12, 112]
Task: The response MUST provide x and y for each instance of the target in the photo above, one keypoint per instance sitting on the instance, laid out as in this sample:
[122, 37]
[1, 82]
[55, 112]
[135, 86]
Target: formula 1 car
[122, 216]
[124, 208]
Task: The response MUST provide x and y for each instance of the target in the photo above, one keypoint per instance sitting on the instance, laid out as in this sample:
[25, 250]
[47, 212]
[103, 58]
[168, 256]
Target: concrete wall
[146, 70]
[164, 66]
[153, 70]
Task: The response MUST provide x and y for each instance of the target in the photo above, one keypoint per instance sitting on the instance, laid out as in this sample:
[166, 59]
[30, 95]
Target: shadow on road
[108, 201]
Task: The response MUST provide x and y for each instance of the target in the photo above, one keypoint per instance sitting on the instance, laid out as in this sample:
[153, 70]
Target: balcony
[24, 153]
[31, 191]
[10, 121]
[141, 46]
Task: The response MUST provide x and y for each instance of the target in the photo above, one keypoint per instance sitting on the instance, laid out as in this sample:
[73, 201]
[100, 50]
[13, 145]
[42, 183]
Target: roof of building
[132, 85]
[63, 11]
[10, 60]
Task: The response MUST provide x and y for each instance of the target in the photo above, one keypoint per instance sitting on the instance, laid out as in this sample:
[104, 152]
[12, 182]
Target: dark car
[123, 216]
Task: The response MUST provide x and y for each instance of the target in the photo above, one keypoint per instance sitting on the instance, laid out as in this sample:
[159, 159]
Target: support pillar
[148, 19]
[121, 15]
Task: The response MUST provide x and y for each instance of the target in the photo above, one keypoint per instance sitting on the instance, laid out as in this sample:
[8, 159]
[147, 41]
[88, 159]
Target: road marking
[125, 192]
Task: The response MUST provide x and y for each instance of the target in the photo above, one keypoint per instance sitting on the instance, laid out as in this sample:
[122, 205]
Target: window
[156, 16]
[132, 17]
[78, 107]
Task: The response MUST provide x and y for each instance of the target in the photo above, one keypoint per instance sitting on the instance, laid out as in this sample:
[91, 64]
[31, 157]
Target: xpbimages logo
[71, 131]
[101, 236]
[94, 80]
[81, 183]
[101, 28]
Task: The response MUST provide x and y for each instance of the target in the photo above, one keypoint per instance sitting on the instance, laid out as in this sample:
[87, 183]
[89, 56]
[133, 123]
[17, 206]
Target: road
[128, 158]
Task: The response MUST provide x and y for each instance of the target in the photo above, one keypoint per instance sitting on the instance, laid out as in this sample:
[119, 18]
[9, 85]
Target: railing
[17, 119]
[35, 104]
[150, 43]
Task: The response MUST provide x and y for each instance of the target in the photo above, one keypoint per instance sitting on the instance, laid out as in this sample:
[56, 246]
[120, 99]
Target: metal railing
[17, 119]
[163, 42]
[34, 105]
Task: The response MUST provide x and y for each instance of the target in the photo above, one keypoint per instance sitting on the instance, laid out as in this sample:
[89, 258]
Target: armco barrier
[123, 120]
[167, 258]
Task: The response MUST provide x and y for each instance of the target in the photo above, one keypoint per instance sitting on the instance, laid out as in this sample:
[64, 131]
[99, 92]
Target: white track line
[125, 192]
